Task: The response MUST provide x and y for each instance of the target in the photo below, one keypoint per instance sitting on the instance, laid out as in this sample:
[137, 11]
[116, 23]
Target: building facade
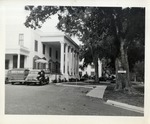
[24, 46]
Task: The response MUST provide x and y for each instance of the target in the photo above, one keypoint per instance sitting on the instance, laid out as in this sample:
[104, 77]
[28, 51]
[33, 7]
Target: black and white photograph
[75, 61]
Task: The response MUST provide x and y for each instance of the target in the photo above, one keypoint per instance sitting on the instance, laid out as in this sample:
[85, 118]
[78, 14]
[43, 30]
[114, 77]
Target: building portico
[67, 55]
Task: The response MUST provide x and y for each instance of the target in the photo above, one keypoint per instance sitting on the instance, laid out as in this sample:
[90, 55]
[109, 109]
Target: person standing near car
[42, 75]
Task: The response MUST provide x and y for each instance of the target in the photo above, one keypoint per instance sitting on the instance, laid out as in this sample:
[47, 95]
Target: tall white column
[73, 62]
[11, 63]
[25, 62]
[100, 67]
[68, 68]
[77, 63]
[18, 62]
[62, 58]
[66, 59]
[70, 61]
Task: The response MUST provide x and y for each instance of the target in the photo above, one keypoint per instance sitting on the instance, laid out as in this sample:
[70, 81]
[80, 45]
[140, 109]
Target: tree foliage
[113, 33]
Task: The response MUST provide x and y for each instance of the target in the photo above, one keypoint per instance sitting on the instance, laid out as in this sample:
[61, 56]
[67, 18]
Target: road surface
[52, 99]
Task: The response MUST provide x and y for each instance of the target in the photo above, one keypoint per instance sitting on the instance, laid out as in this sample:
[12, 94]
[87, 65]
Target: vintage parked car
[34, 77]
[17, 75]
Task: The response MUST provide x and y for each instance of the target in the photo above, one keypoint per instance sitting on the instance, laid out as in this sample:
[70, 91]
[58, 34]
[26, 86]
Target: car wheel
[12, 83]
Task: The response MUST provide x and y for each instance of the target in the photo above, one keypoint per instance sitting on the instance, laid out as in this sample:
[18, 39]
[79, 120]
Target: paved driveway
[57, 100]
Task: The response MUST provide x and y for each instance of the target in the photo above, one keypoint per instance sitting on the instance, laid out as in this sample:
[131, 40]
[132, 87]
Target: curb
[125, 106]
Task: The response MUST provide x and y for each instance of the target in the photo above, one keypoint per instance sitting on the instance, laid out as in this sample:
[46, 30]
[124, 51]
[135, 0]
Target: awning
[41, 61]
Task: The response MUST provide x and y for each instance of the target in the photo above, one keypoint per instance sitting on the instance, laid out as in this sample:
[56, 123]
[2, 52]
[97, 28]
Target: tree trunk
[122, 78]
[128, 83]
[118, 83]
[95, 60]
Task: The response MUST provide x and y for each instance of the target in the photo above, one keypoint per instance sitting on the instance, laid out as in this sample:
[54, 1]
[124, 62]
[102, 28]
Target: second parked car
[34, 77]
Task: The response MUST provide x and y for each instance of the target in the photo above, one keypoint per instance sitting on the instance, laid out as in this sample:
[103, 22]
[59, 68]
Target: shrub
[139, 71]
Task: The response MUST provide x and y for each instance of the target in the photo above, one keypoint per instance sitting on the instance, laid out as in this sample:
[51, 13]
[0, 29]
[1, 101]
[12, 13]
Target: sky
[18, 14]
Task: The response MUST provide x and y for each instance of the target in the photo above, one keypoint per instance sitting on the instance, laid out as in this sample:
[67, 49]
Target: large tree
[129, 27]
[106, 32]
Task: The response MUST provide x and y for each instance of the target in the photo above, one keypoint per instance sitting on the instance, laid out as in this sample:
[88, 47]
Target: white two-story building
[25, 46]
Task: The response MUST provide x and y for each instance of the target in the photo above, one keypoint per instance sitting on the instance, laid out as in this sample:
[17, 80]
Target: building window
[92, 73]
[49, 66]
[56, 54]
[43, 48]
[6, 64]
[50, 52]
[36, 45]
[21, 39]
[44, 66]
[92, 66]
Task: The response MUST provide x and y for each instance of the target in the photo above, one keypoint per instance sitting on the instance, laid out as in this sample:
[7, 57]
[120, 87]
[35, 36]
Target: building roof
[58, 34]
[72, 41]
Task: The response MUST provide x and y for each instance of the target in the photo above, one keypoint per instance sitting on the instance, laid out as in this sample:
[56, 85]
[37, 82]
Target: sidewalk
[97, 92]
